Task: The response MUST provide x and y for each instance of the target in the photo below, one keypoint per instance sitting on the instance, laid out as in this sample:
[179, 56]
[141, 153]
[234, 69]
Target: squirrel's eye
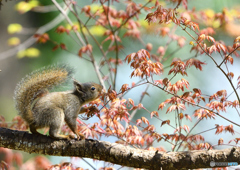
[93, 88]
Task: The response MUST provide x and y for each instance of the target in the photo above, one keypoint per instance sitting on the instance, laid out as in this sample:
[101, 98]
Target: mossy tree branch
[115, 153]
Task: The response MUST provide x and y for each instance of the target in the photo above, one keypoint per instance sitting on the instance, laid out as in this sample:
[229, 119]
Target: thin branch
[218, 66]
[228, 55]
[140, 101]
[188, 134]
[88, 164]
[135, 13]
[95, 40]
[65, 14]
[194, 104]
[96, 67]
[116, 43]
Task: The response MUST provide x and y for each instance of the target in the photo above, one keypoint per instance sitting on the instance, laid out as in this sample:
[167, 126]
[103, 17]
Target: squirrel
[41, 108]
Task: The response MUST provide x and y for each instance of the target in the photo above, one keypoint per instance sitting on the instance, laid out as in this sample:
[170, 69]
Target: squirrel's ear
[78, 87]
[76, 83]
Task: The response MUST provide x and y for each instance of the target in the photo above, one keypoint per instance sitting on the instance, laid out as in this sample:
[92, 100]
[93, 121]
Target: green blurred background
[13, 69]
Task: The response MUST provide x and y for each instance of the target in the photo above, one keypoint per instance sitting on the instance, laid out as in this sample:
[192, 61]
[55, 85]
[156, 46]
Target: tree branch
[115, 153]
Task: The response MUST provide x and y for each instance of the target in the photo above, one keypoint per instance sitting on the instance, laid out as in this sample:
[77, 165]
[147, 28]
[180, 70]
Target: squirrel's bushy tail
[36, 84]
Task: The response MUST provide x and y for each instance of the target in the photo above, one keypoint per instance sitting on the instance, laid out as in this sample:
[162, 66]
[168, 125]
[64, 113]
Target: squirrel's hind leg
[56, 125]
[33, 129]
[71, 122]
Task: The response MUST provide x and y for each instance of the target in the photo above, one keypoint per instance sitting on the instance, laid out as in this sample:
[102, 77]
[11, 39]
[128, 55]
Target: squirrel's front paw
[71, 136]
[80, 136]
[91, 111]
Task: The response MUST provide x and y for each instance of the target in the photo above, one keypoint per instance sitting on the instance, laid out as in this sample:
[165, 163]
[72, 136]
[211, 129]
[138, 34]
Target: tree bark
[116, 153]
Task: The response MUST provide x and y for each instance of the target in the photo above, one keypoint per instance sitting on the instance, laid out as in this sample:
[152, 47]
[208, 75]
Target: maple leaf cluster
[143, 67]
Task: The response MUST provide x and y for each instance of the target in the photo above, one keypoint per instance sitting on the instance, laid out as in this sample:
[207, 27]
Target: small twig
[194, 104]
[95, 40]
[96, 67]
[218, 66]
[65, 14]
[131, 16]
[88, 163]
[228, 55]
[135, 111]
[116, 43]
[80, 38]
[188, 134]
[179, 126]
